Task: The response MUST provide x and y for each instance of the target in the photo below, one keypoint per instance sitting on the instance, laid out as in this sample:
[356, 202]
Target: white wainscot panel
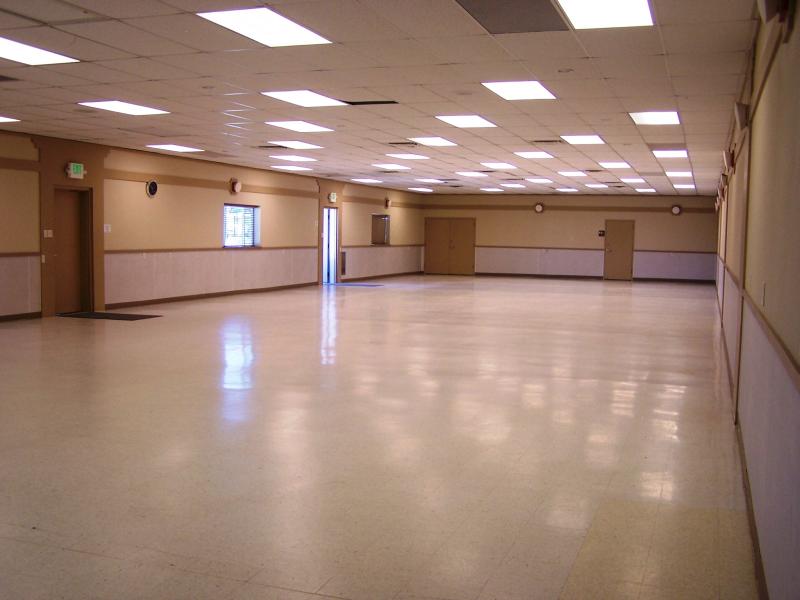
[374, 261]
[539, 261]
[20, 285]
[674, 265]
[720, 279]
[769, 412]
[141, 276]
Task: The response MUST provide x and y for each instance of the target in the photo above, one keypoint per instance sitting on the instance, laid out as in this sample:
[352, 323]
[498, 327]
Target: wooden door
[462, 247]
[437, 246]
[71, 252]
[618, 262]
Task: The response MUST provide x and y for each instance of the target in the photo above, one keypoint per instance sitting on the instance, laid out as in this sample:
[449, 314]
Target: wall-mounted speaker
[538, 207]
[151, 188]
[235, 186]
[387, 203]
[741, 112]
[676, 209]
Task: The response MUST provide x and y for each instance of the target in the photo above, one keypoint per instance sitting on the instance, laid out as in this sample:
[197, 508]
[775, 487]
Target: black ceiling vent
[594, 170]
[618, 185]
[271, 147]
[488, 171]
[551, 141]
[368, 102]
[409, 144]
[455, 186]
[4, 78]
[515, 16]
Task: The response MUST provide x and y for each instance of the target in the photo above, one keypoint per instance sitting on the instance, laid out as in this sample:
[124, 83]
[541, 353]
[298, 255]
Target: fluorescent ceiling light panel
[471, 174]
[366, 180]
[173, 148]
[305, 98]
[30, 55]
[679, 174]
[684, 186]
[294, 158]
[515, 186]
[420, 189]
[498, 165]
[391, 167]
[299, 126]
[492, 189]
[125, 108]
[583, 140]
[567, 190]
[265, 27]
[572, 173]
[614, 165]
[592, 14]
[466, 121]
[290, 168]
[632, 179]
[295, 145]
[535, 154]
[429, 180]
[596, 186]
[663, 117]
[646, 190]
[520, 90]
[432, 141]
[8, 120]
[409, 156]
[540, 180]
[670, 153]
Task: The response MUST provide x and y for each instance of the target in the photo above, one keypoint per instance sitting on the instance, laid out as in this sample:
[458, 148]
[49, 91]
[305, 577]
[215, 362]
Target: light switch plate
[106, 228]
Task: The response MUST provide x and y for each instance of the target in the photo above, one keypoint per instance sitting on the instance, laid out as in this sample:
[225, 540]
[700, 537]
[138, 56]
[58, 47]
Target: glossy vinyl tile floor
[449, 438]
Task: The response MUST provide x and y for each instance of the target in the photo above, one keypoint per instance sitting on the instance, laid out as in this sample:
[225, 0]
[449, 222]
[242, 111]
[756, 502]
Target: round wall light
[538, 207]
[236, 186]
[151, 188]
[676, 209]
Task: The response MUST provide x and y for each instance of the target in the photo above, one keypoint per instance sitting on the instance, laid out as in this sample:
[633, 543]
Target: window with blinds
[240, 226]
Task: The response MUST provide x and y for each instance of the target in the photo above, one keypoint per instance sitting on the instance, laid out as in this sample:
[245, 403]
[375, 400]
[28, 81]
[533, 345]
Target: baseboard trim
[761, 580]
[674, 280]
[537, 276]
[349, 279]
[20, 316]
[114, 305]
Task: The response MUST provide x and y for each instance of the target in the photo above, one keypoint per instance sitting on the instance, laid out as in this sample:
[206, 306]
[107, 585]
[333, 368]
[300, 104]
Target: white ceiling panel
[126, 9]
[126, 38]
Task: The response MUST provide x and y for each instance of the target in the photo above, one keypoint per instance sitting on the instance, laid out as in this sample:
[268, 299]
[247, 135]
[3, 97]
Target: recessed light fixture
[305, 98]
[591, 14]
[391, 167]
[265, 26]
[290, 168]
[515, 186]
[683, 186]
[596, 186]
[500, 166]
[294, 158]
[8, 120]
[295, 145]
[572, 173]
[679, 174]
[420, 189]
[566, 190]
[366, 180]
[670, 153]
[30, 55]
[409, 156]
[632, 179]
[492, 189]
[299, 126]
[662, 117]
[471, 174]
[125, 108]
[534, 154]
[432, 141]
[646, 190]
[429, 180]
[582, 140]
[466, 121]
[173, 148]
[539, 180]
[520, 90]
[614, 165]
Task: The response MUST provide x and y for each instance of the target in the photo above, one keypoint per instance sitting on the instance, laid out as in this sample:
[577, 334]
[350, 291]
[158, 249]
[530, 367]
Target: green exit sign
[75, 170]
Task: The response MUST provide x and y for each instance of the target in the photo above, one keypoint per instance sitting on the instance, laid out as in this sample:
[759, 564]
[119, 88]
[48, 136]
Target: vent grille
[543, 142]
[4, 78]
[409, 144]
[368, 102]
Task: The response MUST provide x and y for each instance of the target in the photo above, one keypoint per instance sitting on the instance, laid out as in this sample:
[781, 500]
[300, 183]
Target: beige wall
[19, 147]
[19, 211]
[405, 222]
[736, 209]
[577, 227]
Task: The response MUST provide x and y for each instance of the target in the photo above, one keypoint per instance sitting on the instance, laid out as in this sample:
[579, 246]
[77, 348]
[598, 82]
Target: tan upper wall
[19, 211]
[577, 224]
[773, 253]
[17, 146]
[736, 206]
[405, 223]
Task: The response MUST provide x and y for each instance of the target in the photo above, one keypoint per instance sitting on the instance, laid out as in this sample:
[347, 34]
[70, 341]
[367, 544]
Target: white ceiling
[428, 55]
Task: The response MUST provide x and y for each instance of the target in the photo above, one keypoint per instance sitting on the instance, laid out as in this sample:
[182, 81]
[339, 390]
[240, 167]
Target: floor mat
[108, 315]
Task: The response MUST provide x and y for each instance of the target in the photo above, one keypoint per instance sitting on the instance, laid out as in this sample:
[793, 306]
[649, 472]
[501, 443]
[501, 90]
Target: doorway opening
[330, 244]
[72, 234]
[450, 246]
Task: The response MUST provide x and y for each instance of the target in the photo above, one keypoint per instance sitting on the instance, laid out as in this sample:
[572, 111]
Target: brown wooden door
[437, 246]
[618, 262]
[71, 256]
[462, 247]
